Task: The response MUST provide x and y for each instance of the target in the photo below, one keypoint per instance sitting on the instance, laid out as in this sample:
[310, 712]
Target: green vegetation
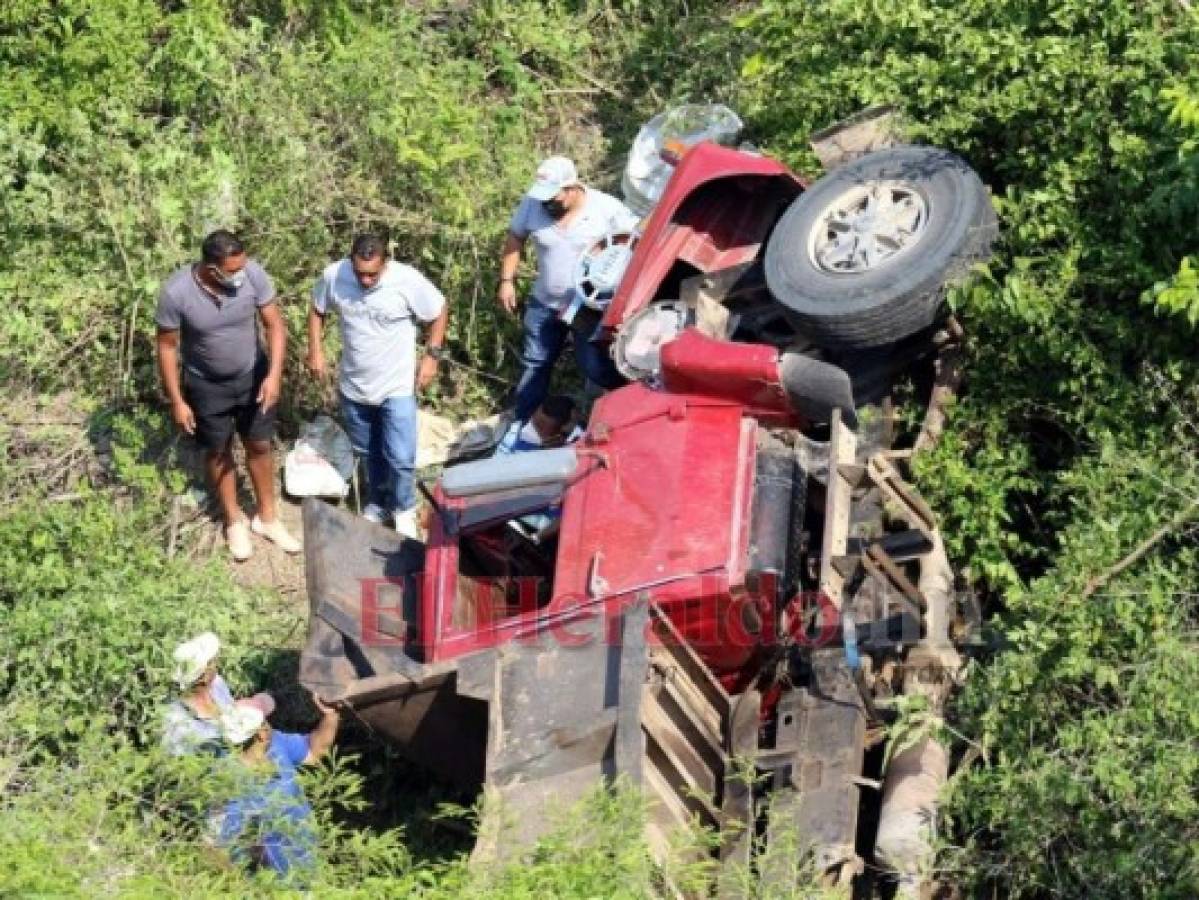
[1067, 478]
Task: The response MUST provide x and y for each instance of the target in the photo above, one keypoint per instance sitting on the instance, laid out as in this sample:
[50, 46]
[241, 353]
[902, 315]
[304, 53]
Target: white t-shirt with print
[378, 336]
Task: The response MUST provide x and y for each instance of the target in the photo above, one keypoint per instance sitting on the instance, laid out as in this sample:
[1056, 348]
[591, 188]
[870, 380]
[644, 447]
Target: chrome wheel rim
[867, 227]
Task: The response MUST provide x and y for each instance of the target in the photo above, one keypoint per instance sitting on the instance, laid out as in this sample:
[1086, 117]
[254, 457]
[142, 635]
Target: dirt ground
[268, 567]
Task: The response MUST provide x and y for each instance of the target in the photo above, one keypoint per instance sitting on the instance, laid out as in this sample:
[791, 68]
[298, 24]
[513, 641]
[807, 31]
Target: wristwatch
[436, 352]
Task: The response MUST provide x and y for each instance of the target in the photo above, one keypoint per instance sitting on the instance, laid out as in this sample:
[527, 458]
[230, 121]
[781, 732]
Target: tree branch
[1180, 518]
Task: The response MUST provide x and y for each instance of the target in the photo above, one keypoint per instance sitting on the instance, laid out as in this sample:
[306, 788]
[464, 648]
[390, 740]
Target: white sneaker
[375, 513]
[277, 534]
[406, 524]
[237, 536]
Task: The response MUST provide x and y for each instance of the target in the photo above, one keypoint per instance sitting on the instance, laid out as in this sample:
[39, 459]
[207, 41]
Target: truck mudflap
[813, 774]
[362, 593]
[628, 699]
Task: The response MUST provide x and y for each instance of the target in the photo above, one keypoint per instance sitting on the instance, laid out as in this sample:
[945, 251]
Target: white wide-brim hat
[192, 658]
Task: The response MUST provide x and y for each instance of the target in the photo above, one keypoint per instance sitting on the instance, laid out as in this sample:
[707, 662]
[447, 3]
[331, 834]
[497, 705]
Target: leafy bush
[297, 133]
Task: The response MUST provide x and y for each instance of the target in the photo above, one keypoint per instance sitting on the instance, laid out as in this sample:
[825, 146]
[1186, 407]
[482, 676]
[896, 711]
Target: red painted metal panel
[715, 212]
[662, 505]
[663, 501]
[747, 374]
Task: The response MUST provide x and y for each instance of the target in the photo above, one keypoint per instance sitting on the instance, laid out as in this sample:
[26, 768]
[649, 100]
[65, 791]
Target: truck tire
[864, 257]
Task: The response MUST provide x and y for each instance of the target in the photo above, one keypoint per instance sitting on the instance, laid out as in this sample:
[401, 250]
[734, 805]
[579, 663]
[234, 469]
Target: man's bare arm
[275, 330]
[436, 336]
[316, 349]
[434, 340]
[509, 262]
[168, 369]
[325, 734]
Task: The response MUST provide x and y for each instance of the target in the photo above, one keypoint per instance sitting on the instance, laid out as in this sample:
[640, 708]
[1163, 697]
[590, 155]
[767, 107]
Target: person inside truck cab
[564, 218]
[553, 424]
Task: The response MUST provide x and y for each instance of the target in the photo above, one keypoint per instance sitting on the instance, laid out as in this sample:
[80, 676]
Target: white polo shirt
[378, 335]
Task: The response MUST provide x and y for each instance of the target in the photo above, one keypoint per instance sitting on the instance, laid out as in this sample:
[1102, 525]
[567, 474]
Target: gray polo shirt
[560, 248]
[219, 335]
[378, 337]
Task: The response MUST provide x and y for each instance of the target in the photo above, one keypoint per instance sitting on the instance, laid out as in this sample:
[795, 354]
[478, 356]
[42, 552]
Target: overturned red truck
[729, 569]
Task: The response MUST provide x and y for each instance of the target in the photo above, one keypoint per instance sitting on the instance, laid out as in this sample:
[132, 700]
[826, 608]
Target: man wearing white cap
[271, 824]
[192, 722]
[565, 219]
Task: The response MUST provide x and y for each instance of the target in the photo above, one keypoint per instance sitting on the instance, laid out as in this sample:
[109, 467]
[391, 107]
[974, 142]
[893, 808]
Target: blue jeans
[544, 341]
[386, 436]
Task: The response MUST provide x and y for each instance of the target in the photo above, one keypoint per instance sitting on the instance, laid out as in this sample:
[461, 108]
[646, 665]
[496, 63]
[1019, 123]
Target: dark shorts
[221, 407]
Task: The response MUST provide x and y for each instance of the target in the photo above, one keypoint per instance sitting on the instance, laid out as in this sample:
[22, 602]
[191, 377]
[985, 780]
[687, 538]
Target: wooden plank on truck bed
[841, 452]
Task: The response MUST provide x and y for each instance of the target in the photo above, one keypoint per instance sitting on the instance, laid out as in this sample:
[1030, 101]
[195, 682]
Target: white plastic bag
[321, 462]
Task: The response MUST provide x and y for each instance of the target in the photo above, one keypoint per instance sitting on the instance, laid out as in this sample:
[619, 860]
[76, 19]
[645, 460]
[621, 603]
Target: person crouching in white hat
[192, 721]
[270, 825]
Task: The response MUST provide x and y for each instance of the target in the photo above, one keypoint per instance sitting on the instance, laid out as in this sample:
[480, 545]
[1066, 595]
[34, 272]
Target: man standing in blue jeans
[565, 219]
[378, 302]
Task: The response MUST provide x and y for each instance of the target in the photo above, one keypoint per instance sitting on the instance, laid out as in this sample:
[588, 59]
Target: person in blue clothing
[270, 824]
[192, 722]
[553, 424]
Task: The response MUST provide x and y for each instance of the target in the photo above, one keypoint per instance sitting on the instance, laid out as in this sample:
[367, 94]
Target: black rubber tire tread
[901, 296]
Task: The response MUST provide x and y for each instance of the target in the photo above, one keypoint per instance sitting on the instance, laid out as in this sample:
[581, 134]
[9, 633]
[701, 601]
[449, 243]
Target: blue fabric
[544, 340]
[386, 436]
[512, 442]
[849, 636]
[221, 695]
[281, 837]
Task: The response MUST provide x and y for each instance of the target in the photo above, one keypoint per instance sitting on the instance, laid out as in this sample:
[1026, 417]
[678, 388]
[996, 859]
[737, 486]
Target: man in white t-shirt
[378, 302]
[565, 219]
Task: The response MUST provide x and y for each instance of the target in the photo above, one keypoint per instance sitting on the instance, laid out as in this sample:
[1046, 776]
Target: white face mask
[232, 282]
[529, 435]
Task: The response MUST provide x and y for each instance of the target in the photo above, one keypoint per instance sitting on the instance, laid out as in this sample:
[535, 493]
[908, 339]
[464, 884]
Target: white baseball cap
[553, 174]
[241, 722]
[192, 658]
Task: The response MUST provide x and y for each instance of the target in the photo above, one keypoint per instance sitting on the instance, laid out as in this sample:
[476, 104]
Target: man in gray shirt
[378, 302]
[207, 327]
[564, 219]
